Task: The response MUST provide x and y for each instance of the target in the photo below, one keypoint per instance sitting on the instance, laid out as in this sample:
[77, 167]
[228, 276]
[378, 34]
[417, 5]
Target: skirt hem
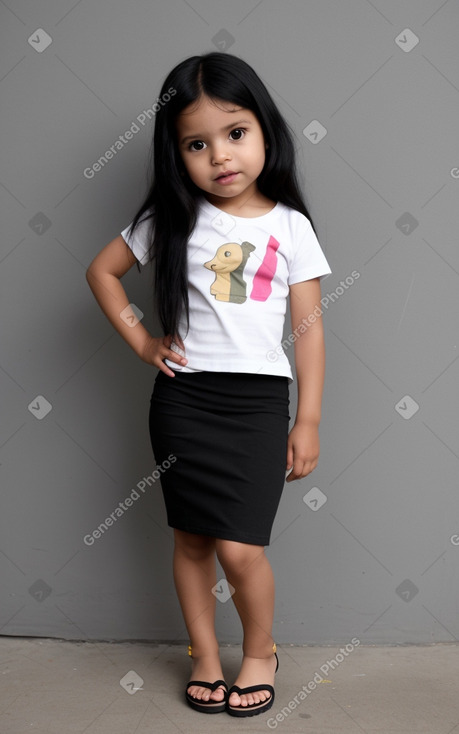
[221, 534]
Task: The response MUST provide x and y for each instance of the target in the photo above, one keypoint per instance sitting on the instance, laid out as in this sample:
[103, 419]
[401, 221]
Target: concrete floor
[59, 687]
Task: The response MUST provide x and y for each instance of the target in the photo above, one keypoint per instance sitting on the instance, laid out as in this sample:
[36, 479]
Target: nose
[220, 154]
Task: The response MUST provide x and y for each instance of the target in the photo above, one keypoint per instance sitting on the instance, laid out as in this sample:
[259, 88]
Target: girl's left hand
[303, 449]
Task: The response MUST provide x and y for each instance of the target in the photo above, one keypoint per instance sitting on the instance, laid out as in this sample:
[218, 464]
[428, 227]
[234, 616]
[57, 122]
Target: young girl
[230, 239]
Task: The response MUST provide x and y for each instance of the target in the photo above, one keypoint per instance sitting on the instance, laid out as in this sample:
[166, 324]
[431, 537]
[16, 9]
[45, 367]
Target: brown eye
[237, 133]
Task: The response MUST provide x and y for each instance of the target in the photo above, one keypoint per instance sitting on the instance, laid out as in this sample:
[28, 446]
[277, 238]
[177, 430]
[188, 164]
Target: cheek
[259, 157]
[195, 164]
[193, 167]
[259, 152]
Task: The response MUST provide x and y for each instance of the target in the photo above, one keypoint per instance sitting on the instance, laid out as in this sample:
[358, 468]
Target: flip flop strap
[251, 689]
[206, 684]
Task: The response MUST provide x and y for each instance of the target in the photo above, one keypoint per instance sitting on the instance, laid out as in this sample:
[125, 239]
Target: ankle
[259, 653]
[197, 652]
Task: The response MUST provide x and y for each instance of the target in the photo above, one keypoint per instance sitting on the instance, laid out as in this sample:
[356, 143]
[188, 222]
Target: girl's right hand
[157, 349]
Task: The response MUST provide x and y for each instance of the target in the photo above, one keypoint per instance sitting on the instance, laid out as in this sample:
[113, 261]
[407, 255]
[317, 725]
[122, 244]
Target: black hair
[172, 200]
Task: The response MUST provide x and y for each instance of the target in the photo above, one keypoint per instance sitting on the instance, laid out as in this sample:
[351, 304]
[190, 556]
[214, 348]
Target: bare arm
[303, 446]
[104, 278]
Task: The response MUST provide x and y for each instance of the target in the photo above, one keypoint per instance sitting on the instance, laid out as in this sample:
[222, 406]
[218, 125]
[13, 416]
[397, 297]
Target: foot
[206, 668]
[254, 672]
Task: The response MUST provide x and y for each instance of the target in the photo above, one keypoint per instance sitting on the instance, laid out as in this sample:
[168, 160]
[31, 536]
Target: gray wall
[368, 545]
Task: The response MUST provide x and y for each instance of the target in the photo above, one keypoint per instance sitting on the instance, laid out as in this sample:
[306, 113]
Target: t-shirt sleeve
[139, 240]
[307, 258]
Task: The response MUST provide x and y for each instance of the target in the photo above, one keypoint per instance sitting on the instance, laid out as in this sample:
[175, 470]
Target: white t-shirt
[239, 273]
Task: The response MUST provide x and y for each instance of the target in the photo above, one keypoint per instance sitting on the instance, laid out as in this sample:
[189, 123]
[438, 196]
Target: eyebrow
[231, 126]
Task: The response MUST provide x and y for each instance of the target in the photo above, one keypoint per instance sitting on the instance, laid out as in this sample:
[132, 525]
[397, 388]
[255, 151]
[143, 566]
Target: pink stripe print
[261, 288]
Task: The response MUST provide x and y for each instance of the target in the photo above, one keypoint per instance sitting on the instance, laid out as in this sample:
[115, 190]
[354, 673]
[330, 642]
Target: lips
[224, 174]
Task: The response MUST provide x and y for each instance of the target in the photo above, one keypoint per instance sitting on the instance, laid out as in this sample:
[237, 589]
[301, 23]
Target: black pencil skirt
[222, 437]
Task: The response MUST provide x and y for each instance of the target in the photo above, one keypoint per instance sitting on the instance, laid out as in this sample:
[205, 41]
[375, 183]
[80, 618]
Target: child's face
[215, 139]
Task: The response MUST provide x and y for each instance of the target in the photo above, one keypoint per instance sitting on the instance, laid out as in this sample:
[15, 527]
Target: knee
[235, 558]
[195, 547]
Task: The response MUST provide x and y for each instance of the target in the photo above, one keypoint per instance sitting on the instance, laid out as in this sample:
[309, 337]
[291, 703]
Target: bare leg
[249, 571]
[194, 577]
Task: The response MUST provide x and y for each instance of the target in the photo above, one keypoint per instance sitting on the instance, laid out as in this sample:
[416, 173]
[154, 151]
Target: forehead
[208, 115]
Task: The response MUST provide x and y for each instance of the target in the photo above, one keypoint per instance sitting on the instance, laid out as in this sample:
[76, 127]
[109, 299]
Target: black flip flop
[210, 706]
[253, 708]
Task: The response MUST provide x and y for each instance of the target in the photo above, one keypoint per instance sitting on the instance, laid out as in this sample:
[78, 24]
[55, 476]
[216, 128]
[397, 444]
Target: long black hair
[171, 202]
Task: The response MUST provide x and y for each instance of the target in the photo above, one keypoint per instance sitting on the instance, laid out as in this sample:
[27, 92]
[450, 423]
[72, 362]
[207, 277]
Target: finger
[289, 456]
[179, 358]
[309, 467]
[296, 471]
[171, 354]
[162, 366]
[159, 361]
[313, 465]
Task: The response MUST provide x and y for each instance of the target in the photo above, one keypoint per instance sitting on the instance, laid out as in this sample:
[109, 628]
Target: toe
[218, 695]
[255, 698]
[263, 696]
[201, 694]
[205, 694]
[234, 700]
[249, 699]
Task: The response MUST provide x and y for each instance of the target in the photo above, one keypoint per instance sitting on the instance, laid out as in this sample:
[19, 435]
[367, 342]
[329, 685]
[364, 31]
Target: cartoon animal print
[228, 265]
